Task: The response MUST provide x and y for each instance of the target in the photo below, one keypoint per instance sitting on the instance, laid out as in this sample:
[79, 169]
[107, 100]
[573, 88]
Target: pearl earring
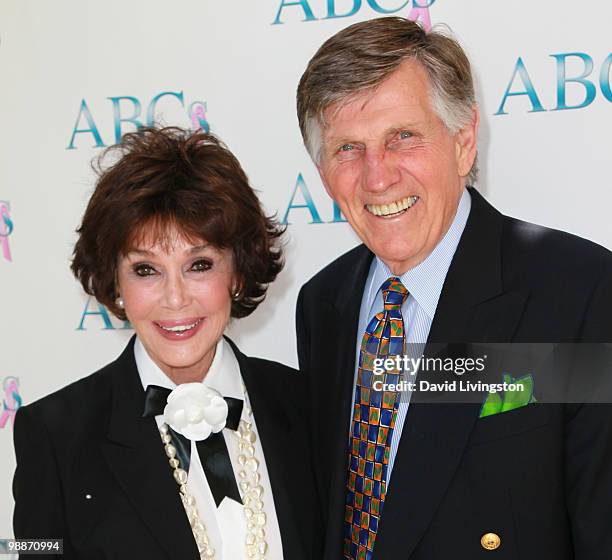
[119, 303]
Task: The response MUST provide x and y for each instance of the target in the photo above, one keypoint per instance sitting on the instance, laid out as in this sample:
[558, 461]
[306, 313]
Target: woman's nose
[176, 292]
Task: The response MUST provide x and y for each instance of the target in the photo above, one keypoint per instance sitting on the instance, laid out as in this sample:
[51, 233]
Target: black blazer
[539, 476]
[90, 438]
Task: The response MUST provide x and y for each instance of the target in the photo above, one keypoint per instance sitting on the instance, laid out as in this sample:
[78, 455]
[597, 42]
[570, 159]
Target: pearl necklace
[250, 484]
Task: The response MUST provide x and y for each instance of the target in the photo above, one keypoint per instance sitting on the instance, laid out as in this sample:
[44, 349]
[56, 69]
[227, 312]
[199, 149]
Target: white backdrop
[62, 62]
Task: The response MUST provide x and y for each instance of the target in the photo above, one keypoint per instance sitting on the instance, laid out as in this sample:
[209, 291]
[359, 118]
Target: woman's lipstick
[180, 329]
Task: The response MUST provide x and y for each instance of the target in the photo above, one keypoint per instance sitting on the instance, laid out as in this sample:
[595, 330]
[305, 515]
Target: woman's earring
[119, 303]
[236, 295]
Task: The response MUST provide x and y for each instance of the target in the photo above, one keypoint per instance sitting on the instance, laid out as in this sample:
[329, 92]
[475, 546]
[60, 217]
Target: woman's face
[177, 298]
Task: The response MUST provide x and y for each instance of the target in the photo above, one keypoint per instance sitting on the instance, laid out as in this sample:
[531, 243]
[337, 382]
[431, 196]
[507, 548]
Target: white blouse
[225, 525]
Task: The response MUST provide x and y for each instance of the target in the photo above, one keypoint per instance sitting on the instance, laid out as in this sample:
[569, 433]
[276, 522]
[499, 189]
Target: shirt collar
[424, 282]
[223, 374]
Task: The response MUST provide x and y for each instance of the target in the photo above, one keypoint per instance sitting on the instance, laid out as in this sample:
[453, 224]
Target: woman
[183, 447]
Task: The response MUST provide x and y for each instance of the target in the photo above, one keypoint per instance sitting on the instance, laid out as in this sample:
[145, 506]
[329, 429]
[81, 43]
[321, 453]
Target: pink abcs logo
[420, 13]
[6, 228]
[199, 120]
[11, 401]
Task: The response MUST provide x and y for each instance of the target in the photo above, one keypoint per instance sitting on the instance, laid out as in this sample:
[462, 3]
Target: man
[388, 114]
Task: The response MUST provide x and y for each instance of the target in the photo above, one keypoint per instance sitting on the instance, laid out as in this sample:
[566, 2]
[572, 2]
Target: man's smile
[394, 208]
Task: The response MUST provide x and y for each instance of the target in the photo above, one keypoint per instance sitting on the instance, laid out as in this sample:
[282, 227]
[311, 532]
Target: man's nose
[380, 172]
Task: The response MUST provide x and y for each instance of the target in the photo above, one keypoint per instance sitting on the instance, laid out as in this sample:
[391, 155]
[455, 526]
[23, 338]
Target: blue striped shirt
[424, 284]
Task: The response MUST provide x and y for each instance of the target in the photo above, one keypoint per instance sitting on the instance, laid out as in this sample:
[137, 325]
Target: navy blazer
[539, 476]
[90, 438]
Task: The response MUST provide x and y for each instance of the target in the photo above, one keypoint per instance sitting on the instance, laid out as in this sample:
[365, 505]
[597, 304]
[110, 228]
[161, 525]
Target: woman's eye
[144, 270]
[201, 265]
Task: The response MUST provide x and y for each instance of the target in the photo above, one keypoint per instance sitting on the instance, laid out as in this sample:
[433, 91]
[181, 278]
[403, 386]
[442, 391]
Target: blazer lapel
[134, 452]
[473, 305]
[472, 308]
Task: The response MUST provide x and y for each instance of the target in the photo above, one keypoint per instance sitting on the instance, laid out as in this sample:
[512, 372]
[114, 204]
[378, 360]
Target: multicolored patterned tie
[374, 417]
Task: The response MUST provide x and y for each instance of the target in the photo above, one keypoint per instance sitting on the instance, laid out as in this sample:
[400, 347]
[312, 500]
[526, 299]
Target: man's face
[394, 169]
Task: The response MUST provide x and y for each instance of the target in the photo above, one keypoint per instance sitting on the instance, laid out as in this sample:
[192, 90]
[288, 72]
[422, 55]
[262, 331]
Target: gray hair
[363, 55]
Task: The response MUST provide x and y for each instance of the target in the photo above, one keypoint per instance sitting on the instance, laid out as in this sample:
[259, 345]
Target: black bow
[212, 451]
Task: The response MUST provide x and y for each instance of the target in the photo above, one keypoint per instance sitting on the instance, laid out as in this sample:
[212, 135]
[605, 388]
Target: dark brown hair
[170, 178]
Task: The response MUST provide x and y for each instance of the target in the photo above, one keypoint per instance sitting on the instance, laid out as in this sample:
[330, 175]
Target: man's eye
[404, 134]
[201, 265]
[144, 270]
[347, 147]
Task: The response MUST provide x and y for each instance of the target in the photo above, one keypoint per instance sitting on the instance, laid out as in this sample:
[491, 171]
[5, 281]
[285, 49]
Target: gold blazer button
[490, 541]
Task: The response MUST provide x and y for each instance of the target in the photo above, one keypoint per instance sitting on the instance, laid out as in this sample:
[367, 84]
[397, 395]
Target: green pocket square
[496, 403]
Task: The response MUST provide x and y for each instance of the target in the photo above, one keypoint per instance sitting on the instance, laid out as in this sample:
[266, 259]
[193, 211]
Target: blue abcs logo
[583, 83]
[128, 110]
[327, 9]
[102, 317]
[307, 204]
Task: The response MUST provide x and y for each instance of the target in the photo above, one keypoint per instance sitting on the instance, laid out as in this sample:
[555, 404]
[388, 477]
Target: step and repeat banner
[77, 75]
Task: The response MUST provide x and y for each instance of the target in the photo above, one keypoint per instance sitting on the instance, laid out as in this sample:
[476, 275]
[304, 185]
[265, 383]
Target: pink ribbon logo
[420, 13]
[11, 402]
[198, 117]
[6, 228]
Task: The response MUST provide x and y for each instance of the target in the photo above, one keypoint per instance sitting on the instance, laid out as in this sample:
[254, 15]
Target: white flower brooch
[195, 411]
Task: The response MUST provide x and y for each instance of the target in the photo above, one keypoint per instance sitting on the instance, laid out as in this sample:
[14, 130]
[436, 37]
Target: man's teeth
[393, 208]
[181, 328]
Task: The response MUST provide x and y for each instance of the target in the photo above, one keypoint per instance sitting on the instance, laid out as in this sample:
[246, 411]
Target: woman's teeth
[181, 328]
[393, 208]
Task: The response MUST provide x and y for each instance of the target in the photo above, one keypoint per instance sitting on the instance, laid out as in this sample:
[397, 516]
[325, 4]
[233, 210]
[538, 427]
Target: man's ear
[466, 144]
